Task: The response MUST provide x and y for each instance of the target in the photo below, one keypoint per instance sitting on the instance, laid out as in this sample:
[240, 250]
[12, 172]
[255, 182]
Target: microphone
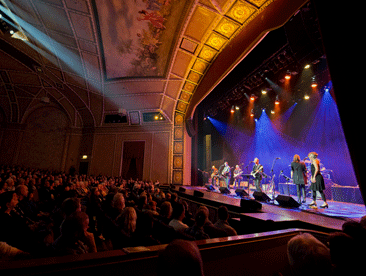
[278, 157]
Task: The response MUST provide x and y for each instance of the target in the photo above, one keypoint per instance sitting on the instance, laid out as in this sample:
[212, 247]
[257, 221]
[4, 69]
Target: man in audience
[308, 256]
[180, 258]
[222, 222]
[209, 227]
[178, 216]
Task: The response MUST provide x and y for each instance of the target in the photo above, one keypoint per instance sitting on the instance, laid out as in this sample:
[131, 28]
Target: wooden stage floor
[332, 217]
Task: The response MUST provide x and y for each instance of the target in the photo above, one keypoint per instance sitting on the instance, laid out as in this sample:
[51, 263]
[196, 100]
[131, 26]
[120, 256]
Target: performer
[257, 174]
[226, 174]
[214, 175]
[298, 174]
[317, 181]
[237, 176]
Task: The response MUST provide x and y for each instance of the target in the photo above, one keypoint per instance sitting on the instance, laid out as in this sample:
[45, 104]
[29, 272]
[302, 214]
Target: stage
[331, 218]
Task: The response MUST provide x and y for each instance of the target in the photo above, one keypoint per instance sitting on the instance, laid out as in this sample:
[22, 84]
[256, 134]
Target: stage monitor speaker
[248, 205]
[260, 196]
[209, 187]
[198, 193]
[287, 201]
[224, 190]
[241, 192]
[181, 189]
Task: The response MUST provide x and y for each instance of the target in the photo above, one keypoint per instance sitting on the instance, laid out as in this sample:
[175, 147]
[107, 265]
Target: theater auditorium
[169, 137]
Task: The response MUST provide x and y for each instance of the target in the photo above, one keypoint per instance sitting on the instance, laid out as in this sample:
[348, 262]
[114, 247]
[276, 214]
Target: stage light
[288, 75]
[264, 91]
[232, 109]
[252, 97]
[306, 97]
[273, 112]
[314, 84]
[277, 101]
[156, 117]
[237, 107]
[307, 66]
[252, 113]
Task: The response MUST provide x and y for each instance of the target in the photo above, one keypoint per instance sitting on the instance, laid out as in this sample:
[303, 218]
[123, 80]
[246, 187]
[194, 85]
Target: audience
[178, 216]
[222, 222]
[308, 256]
[197, 230]
[180, 258]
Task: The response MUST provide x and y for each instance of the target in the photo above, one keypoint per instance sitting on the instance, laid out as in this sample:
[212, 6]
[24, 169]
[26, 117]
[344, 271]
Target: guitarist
[226, 174]
[214, 175]
[237, 176]
[257, 174]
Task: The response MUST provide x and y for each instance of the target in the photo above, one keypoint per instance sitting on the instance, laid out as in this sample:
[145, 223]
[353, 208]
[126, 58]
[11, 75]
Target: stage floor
[332, 217]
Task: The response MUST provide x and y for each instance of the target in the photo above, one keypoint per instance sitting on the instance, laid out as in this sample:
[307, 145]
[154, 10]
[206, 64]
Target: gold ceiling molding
[205, 36]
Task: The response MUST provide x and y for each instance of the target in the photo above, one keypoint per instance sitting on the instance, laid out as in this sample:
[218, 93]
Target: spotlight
[288, 75]
[306, 97]
[264, 91]
[251, 113]
[232, 109]
[314, 84]
[156, 117]
[252, 97]
[307, 66]
[277, 101]
[237, 108]
[273, 112]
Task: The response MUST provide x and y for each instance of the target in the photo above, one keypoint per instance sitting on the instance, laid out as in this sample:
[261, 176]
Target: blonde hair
[127, 220]
[313, 154]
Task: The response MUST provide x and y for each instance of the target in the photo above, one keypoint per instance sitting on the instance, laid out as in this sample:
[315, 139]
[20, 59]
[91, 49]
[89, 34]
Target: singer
[317, 180]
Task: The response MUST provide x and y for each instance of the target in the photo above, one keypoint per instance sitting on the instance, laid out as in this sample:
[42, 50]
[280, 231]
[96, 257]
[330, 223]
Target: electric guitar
[255, 173]
[238, 174]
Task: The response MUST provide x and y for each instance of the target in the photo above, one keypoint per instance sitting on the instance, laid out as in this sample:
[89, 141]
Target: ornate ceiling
[95, 58]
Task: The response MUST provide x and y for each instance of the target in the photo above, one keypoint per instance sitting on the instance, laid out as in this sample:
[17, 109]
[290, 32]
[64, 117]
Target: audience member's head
[127, 220]
[343, 250]
[180, 258]
[8, 201]
[223, 213]
[308, 256]
[178, 211]
[70, 205]
[166, 209]
[22, 192]
[118, 202]
[75, 226]
[200, 218]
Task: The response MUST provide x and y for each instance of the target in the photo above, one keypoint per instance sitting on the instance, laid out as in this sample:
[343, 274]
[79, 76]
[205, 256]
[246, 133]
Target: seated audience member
[126, 222]
[74, 238]
[178, 216]
[221, 223]
[196, 230]
[180, 258]
[166, 212]
[118, 204]
[308, 256]
[14, 229]
[209, 228]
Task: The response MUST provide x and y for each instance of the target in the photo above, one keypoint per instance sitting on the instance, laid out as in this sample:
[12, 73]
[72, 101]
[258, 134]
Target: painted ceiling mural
[137, 35]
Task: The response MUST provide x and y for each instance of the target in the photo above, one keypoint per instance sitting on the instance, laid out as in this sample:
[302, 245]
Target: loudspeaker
[241, 192]
[250, 205]
[224, 190]
[181, 189]
[210, 187]
[287, 201]
[198, 193]
[260, 196]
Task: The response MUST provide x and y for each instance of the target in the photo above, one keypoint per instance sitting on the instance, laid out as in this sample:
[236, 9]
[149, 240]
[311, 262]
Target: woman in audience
[74, 238]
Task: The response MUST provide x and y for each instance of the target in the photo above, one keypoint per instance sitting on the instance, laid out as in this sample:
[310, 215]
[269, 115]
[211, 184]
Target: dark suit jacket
[299, 172]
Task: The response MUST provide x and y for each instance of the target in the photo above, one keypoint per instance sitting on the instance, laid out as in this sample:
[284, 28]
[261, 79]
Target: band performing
[300, 175]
